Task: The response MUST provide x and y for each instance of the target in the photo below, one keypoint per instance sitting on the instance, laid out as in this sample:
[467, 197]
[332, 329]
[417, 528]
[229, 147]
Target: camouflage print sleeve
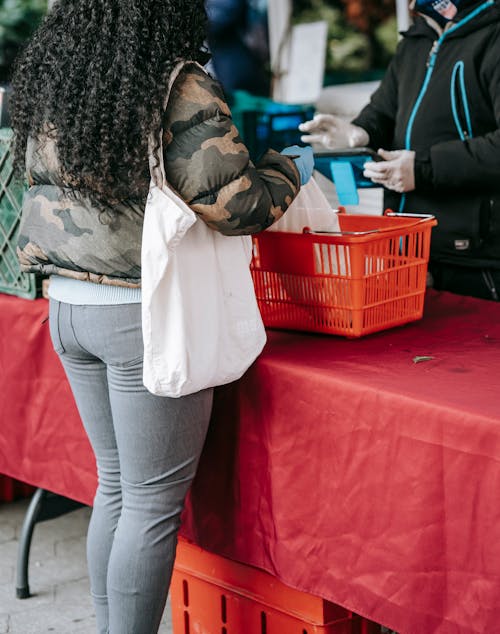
[207, 163]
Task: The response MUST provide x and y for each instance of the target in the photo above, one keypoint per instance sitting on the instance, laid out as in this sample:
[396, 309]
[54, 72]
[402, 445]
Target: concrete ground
[57, 575]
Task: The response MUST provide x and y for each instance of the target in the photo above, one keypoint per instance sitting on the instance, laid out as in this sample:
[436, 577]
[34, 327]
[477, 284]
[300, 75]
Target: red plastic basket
[214, 595]
[369, 277]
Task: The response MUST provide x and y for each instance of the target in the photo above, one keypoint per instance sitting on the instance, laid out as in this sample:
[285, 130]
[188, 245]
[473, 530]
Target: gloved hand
[304, 160]
[396, 171]
[333, 132]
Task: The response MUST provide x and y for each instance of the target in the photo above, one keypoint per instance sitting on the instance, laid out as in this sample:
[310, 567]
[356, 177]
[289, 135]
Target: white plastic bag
[200, 320]
[311, 209]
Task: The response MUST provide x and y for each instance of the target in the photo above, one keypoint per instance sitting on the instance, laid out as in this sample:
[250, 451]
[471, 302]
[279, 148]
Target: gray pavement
[58, 576]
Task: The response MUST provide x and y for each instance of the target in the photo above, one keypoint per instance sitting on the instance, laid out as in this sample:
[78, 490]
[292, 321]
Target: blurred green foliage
[362, 34]
[18, 20]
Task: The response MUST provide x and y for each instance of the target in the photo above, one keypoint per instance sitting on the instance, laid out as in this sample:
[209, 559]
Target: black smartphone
[356, 156]
[349, 152]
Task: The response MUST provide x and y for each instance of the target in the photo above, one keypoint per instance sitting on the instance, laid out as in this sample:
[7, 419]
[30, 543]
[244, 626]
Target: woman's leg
[87, 377]
[159, 441]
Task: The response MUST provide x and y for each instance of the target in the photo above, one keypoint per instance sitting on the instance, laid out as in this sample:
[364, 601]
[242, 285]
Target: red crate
[213, 595]
[11, 489]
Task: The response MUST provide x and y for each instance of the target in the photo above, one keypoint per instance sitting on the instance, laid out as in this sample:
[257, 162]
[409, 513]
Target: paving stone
[71, 548]
[86, 626]
[7, 531]
[8, 551]
[44, 619]
[54, 571]
[74, 591]
[10, 604]
[8, 554]
[166, 622]
[4, 623]
[76, 596]
[6, 573]
[47, 533]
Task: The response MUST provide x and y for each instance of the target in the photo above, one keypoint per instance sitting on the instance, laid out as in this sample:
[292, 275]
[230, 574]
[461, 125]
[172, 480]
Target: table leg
[44, 505]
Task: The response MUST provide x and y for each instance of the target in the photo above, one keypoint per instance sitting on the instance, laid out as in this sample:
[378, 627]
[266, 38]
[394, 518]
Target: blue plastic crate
[264, 123]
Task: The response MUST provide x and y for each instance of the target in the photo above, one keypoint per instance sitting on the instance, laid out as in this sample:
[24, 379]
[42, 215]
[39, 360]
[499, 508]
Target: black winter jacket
[441, 97]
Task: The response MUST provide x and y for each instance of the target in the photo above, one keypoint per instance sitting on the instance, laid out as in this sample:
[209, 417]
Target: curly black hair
[96, 73]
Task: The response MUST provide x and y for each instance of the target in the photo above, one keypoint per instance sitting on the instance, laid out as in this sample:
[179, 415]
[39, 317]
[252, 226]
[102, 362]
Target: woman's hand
[304, 161]
[396, 171]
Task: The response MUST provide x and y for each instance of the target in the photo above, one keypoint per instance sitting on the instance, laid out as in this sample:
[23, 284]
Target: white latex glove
[396, 171]
[333, 132]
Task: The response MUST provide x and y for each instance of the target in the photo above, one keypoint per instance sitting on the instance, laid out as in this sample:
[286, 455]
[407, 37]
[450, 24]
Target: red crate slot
[368, 278]
[11, 489]
[213, 595]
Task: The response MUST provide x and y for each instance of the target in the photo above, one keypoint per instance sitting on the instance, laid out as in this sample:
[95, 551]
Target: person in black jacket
[437, 114]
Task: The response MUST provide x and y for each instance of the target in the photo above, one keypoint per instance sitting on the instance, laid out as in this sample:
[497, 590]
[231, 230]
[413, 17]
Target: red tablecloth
[341, 466]
[41, 438]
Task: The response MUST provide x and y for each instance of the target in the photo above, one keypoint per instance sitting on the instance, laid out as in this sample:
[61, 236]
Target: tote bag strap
[156, 163]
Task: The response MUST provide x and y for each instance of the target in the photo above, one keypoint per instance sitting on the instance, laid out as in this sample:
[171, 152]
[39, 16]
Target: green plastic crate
[12, 280]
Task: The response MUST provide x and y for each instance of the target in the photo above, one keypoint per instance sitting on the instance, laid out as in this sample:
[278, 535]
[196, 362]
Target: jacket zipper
[431, 62]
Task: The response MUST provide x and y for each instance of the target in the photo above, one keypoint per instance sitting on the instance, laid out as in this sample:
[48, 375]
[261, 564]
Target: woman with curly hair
[88, 92]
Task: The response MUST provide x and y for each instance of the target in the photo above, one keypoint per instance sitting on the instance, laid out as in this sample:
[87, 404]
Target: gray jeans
[146, 448]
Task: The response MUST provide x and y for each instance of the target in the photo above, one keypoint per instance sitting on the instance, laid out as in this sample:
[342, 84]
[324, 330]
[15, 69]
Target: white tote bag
[200, 320]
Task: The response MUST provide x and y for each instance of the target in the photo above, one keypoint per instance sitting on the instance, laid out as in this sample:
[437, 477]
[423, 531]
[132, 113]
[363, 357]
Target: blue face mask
[440, 10]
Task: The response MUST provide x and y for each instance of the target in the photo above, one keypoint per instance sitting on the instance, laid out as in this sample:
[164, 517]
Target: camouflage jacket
[206, 163]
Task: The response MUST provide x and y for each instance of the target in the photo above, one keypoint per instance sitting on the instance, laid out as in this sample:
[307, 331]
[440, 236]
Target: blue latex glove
[304, 160]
